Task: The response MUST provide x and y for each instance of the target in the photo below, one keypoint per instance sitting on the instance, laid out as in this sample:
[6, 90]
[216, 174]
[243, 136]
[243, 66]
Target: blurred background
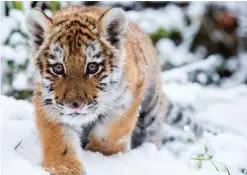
[198, 42]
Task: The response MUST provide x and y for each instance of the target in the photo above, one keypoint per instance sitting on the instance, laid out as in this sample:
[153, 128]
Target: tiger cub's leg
[151, 117]
[115, 136]
[58, 144]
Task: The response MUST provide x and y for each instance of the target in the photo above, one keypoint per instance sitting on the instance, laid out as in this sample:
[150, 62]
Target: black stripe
[103, 84]
[49, 65]
[103, 77]
[113, 66]
[113, 82]
[48, 101]
[111, 55]
[195, 129]
[89, 37]
[38, 42]
[150, 107]
[60, 103]
[169, 109]
[141, 122]
[52, 57]
[48, 78]
[38, 35]
[76, 22]
[150, 95]
[48, 71]
[101, 88]
[102, 63]
[178, 118]
[91, 102]
[72, 23]
[65, 152]
[50, 87]
[46, 54]
[98, 55]
[101, 117]
[40, 66]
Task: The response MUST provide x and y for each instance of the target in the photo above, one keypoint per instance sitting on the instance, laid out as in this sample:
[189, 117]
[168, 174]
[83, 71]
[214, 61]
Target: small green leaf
[228, 172]
[214, 165]
[190, 140]
[17, 5]
[160, 33]
[54, 5]
[198, 158]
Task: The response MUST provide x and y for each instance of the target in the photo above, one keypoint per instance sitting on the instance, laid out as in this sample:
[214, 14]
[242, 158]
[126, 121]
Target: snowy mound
[216, 107]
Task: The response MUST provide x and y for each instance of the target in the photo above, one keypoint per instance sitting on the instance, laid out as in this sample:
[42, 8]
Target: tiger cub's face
[79, 63]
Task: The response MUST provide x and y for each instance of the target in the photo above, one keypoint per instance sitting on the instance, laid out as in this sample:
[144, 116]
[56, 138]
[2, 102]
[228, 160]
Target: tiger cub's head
[79, 62]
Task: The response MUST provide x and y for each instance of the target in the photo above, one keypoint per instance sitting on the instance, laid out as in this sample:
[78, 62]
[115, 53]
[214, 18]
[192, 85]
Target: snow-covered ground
[217, 108]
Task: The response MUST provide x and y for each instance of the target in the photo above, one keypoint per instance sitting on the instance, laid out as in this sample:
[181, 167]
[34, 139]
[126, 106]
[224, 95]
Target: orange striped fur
[72, 38]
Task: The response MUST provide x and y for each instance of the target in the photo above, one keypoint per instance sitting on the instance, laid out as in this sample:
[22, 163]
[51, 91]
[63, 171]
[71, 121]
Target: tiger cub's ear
[114, 24]
[38, 25]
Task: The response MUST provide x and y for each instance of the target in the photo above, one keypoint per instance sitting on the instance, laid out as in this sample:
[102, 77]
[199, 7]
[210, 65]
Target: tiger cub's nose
[75, 105]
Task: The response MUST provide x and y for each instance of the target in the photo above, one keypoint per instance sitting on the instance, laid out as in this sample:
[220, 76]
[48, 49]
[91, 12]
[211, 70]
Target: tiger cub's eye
[92, 68]
[58, 69]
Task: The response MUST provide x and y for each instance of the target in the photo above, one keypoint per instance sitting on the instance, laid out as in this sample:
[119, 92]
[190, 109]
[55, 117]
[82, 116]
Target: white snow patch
[20, 81]
[19, 54]
[169, 18]
[216, 107]
[17, 38]
[9, 24]
[20, 17]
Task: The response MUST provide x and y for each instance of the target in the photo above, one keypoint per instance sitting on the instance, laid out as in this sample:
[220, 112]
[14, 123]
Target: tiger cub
[97, 85]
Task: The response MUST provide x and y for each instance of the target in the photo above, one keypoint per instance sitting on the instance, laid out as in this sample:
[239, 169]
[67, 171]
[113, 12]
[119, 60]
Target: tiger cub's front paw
[62, 170]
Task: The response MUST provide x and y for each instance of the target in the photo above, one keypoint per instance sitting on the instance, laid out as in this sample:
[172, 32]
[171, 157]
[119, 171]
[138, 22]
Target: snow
[111, 3]
[238, 77]
[20, 17]
[10, 24]
[20, 81]
[224, 108]
[48, 13]
[19, 54]
[17, 38]
[170, 18]
[195, 10]
[181, 74]
[26, 7]
[167, 53]
[175, 55]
